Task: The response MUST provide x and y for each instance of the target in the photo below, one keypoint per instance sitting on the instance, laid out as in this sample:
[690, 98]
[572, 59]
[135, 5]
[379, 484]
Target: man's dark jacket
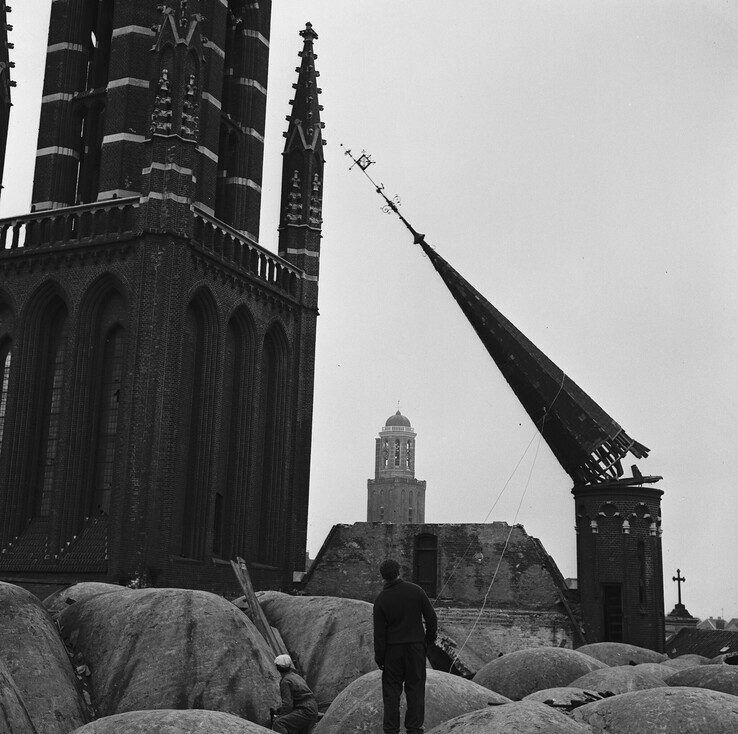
[398, 613]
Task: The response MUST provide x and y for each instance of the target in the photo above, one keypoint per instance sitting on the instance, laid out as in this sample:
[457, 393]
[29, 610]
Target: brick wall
[607, 554]
[348, 563]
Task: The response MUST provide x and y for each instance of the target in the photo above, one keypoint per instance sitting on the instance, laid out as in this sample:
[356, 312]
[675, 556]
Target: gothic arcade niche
[156, 362]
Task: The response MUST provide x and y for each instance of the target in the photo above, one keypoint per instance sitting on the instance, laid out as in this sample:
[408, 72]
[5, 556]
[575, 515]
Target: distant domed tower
[395, 495]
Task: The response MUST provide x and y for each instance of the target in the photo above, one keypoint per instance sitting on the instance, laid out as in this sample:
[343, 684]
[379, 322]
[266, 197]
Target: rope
[499, 562]
[486, 517]
[504, 487]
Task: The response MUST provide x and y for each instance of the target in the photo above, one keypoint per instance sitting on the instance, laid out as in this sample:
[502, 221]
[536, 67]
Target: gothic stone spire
[302, 169]
[304, 121]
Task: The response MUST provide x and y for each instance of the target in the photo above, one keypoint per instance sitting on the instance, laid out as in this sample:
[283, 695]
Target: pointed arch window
[5, 356]
[274, 389]
[397, 452]
[110, 382]
[234, 443]
[195, 352]
[52, 373]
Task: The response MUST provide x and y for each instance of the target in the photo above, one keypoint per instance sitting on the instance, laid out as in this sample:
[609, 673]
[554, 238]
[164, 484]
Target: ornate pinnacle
[309, 34]
[306, 109]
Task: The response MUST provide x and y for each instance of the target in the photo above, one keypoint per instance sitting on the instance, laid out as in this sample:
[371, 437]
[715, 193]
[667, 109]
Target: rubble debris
[469, 638]
[716, 677]
[171, 648]
[663, 711]
[171, 722]
[517, 674]
[35, 659]
[564, 699]
[358, 709]
[331, 640]
[620, 653]
[618, 679]
[528, 717]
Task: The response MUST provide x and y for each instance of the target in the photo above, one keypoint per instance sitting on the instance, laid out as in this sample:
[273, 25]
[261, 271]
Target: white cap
[283, 661]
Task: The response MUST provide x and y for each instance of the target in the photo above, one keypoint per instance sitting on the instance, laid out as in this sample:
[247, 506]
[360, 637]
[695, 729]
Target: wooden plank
[257, 615]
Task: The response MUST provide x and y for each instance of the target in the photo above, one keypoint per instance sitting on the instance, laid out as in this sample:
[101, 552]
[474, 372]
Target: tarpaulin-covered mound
[517, 674]
[522, 717]
[686, 661]
[663, 711]
[620, 679]
[620, 653]
[14, 718]
[330, 639]
[358, 709]
[171, 722]
[715, 677]
[34, 658]
[57, 602]
[171, 649]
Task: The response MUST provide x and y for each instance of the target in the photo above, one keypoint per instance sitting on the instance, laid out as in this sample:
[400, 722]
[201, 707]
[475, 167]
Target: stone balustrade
[241, 251]
[101, 220]
[117, 219]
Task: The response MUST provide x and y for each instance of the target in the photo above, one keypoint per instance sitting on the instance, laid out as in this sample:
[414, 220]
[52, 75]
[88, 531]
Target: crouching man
[299, 708]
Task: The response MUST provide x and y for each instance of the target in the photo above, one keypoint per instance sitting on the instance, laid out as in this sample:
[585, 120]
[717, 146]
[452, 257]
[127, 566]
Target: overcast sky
[577, 162]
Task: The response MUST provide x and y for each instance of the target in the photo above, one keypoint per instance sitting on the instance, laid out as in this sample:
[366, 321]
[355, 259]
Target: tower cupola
[395, 495]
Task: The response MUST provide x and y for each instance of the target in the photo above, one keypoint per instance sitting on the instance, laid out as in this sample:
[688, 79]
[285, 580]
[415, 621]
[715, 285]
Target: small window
[4, 380]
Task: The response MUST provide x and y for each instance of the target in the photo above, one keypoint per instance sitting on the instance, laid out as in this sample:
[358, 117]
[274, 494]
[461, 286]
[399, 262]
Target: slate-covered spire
[301, 215]
[587, 442]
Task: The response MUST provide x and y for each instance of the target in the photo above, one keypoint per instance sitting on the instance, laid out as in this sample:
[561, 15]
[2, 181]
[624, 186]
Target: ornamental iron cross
[679, 579]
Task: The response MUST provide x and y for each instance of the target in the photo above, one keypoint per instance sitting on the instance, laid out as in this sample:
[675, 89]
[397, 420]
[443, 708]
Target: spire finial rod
[391, 205]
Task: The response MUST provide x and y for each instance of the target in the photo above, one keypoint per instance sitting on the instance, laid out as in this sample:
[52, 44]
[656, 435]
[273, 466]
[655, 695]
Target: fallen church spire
[585, 440]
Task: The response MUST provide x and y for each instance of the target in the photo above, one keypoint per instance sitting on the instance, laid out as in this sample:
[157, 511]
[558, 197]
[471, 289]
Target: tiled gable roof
[84, 553]
[709, 643]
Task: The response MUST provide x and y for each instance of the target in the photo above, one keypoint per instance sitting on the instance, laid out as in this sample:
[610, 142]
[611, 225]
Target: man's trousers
[404, 664]
[296, 720]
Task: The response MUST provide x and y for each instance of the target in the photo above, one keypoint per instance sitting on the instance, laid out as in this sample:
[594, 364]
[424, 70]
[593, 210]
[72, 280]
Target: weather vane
[390, 205]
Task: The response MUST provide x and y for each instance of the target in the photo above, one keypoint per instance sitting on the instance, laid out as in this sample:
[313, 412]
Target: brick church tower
[619, 564]
[395, 495]
[157, 362]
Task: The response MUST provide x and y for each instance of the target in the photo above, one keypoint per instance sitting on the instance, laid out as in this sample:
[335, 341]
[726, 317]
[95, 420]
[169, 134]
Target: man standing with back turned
[400, 644]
